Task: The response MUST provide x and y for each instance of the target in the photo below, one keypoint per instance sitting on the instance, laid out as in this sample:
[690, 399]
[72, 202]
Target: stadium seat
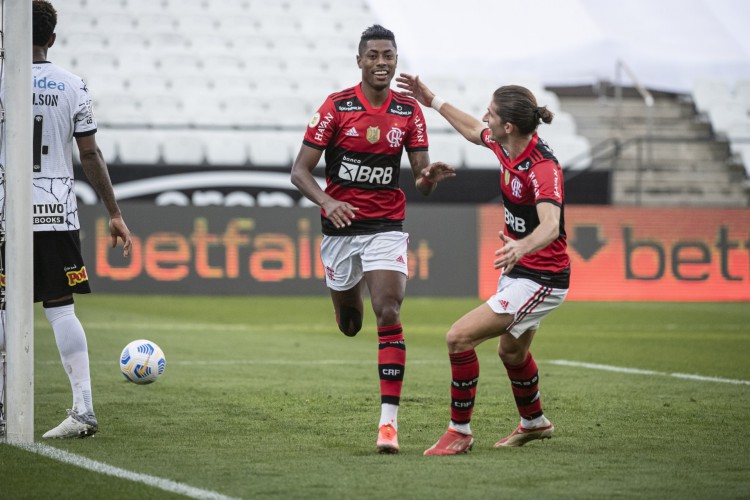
[106, 83]
[116, 22]
[162, 109]
[273, 149]
[447, 147]
[117, 109]
[476, 156]
[106, 139]
[138, 147]
[147, 83]
[225, 148]
[181, 148]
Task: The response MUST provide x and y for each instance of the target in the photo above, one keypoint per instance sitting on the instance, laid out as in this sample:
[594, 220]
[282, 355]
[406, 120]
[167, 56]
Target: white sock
[71, 342]
[534, 423]
[462, 428]
[388, 415]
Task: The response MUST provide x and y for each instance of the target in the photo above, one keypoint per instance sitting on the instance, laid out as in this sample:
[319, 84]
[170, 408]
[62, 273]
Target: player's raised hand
[413, 87]
[339, 213]
[438, 171]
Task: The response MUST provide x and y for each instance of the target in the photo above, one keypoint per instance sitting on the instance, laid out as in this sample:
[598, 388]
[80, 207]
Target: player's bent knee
[350, 321]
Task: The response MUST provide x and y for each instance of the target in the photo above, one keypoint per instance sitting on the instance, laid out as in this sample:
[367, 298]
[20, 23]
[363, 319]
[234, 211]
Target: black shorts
[58, 265]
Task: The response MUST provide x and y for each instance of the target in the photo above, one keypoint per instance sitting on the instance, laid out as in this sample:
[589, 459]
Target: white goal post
[19, 325]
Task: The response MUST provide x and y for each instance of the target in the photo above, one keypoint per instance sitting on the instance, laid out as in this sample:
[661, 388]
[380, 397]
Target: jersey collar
[382, 109]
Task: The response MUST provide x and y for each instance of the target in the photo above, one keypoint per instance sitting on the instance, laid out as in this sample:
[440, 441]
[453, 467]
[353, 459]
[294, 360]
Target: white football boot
[75, 426]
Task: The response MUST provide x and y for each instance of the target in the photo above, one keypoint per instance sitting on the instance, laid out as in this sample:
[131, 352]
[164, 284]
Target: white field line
[360, 362]
[102, 468]
[636, 371]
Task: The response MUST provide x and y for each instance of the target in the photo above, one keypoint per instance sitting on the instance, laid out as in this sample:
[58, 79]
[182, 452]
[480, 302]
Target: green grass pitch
[264, 398]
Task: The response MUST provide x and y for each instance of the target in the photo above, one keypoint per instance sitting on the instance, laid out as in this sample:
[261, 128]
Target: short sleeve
[547, 180]
[322, 126]
[417, 138]
[84, 122]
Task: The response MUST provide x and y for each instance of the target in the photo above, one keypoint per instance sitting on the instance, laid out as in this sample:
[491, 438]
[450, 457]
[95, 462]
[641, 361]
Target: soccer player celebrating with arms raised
[535, 266]
[364, 130]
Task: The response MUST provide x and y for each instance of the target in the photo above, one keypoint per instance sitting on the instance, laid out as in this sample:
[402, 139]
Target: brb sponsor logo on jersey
[517, 224]
[351, 169]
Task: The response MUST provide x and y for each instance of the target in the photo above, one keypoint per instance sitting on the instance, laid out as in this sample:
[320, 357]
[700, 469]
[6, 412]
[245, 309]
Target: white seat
[106, 139]
[138, 147]
[198, 24]
[119, 109]
[478, 156]
[116, 22]
[273, 149]
[148, 83]
[448, 148]
[223, 65]
[184, 65]
[209, 43]
[225, 148]
[137, 62]
[156, 24]
[180, 148]
[162, 109]
[205, 111]
[106, 83]
[86, 41]
[194, 7]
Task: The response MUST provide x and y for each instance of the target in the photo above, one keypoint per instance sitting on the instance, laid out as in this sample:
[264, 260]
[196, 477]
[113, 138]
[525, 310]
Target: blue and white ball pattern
[142, 361]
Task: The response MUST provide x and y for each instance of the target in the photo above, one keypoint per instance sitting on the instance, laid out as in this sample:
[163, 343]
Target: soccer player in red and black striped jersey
[534, 261]
[363, 131]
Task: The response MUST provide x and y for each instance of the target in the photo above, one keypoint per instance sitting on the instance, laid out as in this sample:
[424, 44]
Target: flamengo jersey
[534, 177]
[363, 147]
[62, 110]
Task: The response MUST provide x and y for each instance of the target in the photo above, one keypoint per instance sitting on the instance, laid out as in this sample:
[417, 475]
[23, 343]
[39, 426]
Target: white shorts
[347, 258]
[528, 301]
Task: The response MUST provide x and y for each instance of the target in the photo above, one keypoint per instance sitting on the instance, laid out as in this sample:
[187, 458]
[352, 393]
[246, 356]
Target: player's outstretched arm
[464, 123]
[338, 212]
[96, 171]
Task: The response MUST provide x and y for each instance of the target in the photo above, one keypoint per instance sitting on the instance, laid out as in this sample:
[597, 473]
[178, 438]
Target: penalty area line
[637, 371]
[109, 470]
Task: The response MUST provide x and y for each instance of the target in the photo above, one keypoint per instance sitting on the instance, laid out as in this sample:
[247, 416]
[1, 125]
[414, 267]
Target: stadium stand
[250, 74]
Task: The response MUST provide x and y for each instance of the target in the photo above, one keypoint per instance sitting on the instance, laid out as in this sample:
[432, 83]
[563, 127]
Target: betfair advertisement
[644, 254]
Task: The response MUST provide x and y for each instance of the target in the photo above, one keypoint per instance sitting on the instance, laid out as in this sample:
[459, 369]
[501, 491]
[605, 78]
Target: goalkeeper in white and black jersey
[62, 115]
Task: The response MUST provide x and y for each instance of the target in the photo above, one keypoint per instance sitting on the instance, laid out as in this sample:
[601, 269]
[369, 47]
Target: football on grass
[142, 362]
